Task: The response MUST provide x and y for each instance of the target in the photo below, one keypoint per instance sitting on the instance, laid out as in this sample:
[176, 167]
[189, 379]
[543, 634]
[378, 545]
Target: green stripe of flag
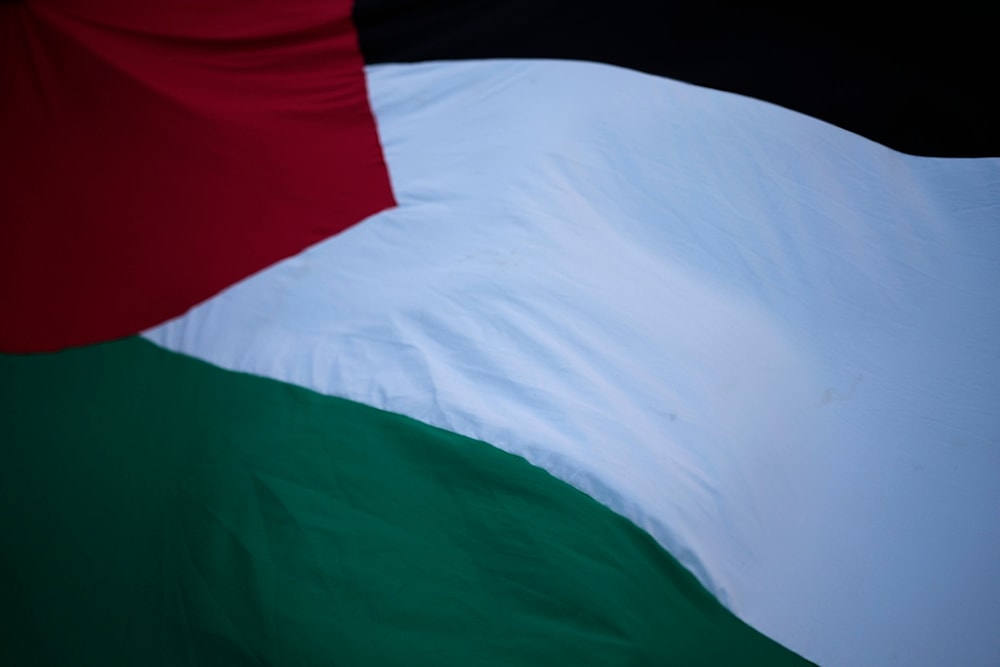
[159, 511]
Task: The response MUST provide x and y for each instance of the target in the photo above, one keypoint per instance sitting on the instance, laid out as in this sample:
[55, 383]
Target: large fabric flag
[401, 332]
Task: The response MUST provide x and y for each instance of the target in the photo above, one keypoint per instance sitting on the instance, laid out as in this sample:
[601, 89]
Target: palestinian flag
[510, 333]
